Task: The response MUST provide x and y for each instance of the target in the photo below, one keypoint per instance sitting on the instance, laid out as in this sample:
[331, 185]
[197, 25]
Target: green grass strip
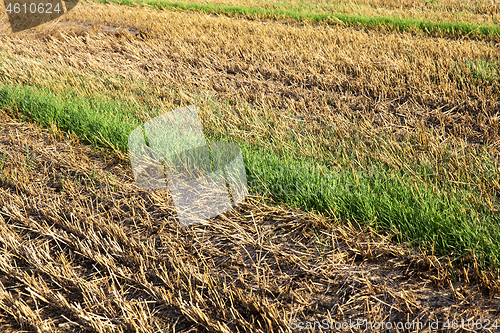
[394, 23]
[391, 201]
[96, 121]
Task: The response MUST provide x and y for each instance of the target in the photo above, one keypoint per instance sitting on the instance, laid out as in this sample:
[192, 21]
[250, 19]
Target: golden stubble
[82, 248]
[319, 89]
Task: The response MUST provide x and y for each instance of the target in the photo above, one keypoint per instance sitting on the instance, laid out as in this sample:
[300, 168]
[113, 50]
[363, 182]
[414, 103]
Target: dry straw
[82, 249]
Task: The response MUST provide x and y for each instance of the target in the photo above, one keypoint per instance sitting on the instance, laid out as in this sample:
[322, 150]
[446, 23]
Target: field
[451, 17]
[387, 139]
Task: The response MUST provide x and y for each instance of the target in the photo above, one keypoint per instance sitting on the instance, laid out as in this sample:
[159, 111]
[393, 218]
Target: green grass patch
[98, 121]
[393, 23]
[414, 211]
[481, 70]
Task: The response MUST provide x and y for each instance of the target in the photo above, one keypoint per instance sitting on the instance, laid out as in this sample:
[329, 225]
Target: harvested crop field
[84, 250]
[321, 72]
[484, 12]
